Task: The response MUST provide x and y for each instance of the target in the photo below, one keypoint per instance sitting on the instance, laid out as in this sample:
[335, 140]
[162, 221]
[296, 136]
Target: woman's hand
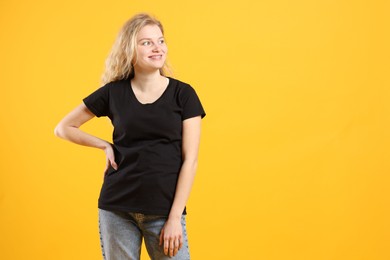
[171, 236]
[110, 158]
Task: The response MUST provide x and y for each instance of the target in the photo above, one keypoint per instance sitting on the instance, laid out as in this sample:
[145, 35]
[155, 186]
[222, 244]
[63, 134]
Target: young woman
[152, 161]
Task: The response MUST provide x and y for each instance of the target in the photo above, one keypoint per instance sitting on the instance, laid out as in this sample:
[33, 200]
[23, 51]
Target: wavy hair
[118, 64]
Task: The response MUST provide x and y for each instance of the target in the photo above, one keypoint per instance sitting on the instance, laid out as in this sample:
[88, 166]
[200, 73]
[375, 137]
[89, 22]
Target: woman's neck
[146, 81]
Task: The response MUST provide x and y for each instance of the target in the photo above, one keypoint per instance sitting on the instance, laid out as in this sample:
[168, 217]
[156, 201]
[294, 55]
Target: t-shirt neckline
[154, 102]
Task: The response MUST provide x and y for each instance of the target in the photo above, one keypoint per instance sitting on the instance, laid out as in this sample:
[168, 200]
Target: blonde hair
[118, 64]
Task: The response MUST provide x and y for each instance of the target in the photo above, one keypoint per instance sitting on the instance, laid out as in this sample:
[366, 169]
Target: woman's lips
[155, 57]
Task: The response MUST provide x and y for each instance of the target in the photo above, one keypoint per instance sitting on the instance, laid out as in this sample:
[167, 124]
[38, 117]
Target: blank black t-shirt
[147, 142]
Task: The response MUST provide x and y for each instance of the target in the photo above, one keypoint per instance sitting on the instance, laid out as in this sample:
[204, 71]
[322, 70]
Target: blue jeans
[121, 236]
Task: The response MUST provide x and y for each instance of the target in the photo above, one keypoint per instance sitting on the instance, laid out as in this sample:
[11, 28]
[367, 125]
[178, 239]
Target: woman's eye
[147, 43]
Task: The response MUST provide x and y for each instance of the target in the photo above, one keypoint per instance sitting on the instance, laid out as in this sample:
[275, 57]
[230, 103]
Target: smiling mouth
[155, 57]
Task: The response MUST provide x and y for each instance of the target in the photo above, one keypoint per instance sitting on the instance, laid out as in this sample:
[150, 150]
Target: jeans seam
[101, 241]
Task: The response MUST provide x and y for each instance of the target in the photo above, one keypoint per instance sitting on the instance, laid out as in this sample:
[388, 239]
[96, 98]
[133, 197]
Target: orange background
[294, 156]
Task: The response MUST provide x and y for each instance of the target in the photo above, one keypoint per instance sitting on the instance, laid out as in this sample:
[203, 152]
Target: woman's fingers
[113, 164]
[110, 157]
[177, 246]
[106, 169]
[171, 237]
[166, 246]
[161, 237]
[180, 243]
[171, 246]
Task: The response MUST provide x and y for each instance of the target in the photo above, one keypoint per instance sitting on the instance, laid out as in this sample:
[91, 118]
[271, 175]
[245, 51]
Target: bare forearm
[183, 188]
[77, 136]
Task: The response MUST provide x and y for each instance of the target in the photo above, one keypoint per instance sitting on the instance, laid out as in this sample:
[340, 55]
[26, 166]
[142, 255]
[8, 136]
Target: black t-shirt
[147, 141]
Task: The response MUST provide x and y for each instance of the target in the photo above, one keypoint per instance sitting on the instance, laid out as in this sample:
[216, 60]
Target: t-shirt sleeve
[98, 101]
[191, 104]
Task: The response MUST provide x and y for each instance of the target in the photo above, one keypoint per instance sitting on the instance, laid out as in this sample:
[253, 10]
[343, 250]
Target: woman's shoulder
[180, 84]
[115, 84]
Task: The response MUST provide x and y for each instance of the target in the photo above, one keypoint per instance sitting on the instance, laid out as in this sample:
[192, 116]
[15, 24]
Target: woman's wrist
[105, 145]
[175, 214]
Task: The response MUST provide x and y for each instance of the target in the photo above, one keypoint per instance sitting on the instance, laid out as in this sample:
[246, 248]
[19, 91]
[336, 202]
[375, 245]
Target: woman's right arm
[68, 129]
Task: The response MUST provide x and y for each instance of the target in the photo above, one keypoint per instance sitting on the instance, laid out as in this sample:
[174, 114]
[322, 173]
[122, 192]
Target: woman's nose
[156, 48]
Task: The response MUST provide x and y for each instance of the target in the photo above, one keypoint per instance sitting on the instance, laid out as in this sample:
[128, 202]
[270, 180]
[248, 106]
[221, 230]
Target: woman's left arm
[172, 232]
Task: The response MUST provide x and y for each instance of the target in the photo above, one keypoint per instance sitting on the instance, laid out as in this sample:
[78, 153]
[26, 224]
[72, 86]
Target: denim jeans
[121, 236]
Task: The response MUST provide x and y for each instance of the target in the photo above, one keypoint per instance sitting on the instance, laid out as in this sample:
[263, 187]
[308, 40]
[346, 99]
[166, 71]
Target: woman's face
[151, 49]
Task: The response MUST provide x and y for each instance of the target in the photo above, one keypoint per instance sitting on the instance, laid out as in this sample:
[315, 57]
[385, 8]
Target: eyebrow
[149, 38]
